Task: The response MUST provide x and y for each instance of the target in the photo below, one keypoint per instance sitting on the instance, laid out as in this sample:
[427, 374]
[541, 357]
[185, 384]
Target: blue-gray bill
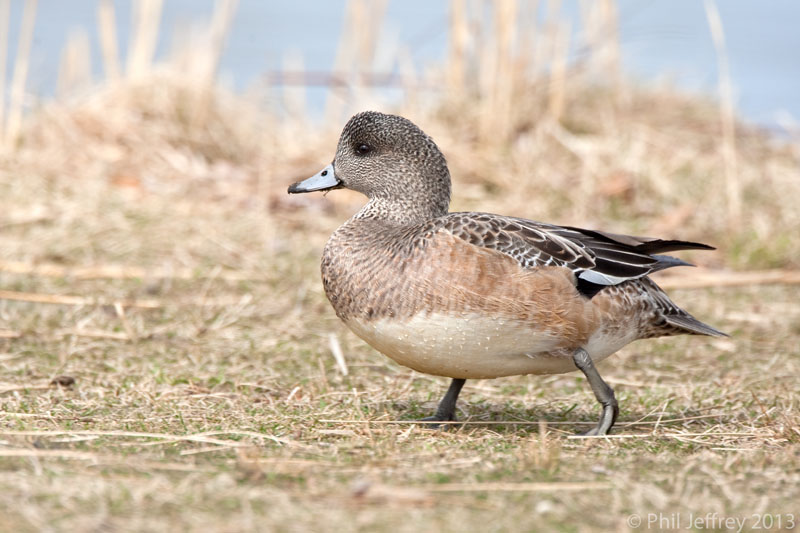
[324, 180]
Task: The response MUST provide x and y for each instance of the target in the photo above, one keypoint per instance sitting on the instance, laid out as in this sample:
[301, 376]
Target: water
[660, 39]
[671, 38]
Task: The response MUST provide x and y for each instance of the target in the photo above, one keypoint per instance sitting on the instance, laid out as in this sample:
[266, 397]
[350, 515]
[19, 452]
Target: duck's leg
[446, 412]
[603, 393]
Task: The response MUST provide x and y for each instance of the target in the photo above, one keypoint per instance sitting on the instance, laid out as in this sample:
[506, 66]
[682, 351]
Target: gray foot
[446, 412]
[603, 393]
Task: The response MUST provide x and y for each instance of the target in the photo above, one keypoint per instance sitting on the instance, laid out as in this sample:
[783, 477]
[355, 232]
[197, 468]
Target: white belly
[471, 346]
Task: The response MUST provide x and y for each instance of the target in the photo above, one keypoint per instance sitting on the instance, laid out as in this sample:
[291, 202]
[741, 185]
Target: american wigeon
[477, 295]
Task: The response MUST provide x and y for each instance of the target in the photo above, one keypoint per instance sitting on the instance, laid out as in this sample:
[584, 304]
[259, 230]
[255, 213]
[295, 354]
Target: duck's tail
[686, 323]
[676, 321]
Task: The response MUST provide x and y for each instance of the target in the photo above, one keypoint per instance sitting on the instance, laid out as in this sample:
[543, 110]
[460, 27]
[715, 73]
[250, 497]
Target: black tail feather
[659, 246]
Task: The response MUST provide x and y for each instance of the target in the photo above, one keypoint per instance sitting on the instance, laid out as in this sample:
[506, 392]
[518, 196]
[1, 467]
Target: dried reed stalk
[146, 16]
[497, 114]
[68, 299]
[457, 48]
[52, 270]
[205, 63]
[5, 14]
[75, 68]
[601, 34]
[700, 280]
[65, 299]
[368, 21]
[221, 21]
[20, 75]
[345, 52]
[727, 118]
[107, 27]
[612, 56]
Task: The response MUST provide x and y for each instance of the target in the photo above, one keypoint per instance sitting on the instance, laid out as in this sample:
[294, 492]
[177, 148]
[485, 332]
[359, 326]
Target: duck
[471, 295]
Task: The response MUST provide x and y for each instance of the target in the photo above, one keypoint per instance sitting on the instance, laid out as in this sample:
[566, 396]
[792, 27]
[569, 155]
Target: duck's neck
[404, 212]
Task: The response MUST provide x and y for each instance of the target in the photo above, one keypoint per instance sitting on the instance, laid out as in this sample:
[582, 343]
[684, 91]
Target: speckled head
[391, 161]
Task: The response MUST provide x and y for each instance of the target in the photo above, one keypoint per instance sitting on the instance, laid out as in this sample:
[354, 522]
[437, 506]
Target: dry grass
[169, 361]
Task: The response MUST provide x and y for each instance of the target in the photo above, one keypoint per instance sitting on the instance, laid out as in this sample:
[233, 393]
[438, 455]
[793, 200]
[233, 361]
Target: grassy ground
[166, 351]
[209, 399]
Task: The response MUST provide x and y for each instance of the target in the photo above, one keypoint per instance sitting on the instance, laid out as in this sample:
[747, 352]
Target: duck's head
[391, 161]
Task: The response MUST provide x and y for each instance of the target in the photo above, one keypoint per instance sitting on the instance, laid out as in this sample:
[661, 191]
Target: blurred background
[169, 362]
[659, 41]
[620, 114]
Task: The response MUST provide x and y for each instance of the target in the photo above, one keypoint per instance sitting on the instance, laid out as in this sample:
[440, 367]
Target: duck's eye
[363, 149]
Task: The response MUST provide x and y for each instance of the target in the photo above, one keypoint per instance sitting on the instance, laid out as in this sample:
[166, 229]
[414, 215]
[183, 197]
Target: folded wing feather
[597, 259]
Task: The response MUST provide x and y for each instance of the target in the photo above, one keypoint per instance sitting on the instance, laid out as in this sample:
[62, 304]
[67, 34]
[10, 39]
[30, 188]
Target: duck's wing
[597, 259]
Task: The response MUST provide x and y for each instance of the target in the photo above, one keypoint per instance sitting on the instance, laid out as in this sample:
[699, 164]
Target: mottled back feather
[597, 259]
